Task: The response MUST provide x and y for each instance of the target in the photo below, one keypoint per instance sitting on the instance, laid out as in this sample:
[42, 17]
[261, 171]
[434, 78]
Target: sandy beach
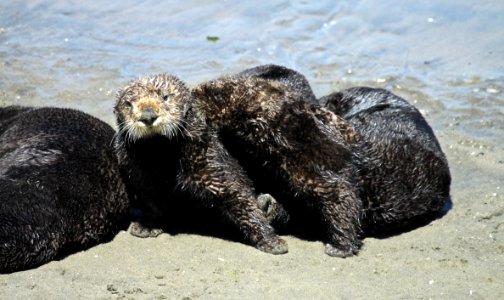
[457, 84]
[459, 256]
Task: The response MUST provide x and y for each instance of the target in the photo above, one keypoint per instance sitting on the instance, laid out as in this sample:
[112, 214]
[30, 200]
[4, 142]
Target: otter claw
[277, 246]
[335, 252]
[138, 230]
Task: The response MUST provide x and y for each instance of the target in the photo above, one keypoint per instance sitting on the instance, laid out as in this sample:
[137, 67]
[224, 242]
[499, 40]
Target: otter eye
[128, 104]
[166, 97]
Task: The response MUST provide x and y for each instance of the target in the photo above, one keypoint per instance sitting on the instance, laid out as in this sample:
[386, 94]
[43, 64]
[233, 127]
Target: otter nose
[148, 116]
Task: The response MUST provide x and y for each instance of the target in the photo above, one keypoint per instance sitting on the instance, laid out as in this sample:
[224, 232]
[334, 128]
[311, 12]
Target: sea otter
[60, 185]
[168, 153]
[404, 178]
[171, 139]
[404, 173]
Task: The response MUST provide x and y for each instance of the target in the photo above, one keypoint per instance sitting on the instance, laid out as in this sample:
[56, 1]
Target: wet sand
[447, 59]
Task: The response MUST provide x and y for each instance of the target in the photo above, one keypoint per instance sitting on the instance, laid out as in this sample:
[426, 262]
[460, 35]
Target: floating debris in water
[492, 91]
[473, 79]
[212, 39]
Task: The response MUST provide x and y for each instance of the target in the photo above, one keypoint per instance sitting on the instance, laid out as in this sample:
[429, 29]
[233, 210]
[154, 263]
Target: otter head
[154, 105]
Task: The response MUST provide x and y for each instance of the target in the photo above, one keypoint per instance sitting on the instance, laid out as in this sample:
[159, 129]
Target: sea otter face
[153, 105]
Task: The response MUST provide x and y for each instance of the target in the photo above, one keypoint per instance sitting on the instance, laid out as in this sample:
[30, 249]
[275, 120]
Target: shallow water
[446, 57]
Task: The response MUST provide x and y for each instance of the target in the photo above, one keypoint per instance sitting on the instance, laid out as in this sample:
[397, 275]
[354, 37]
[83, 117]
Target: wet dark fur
[293, 80]
[266, 181]
[305, 147]
[404, 173]
[166, 166]
[60, 186]
[269, 121]
[404, 179]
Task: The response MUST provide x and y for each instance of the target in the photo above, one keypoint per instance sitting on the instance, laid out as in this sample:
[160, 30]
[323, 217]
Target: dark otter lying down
[60, 186]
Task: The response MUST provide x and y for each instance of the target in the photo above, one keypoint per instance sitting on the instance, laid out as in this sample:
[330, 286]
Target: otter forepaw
[342, 252]
[273, 211]
[273, 246]
[139, 230]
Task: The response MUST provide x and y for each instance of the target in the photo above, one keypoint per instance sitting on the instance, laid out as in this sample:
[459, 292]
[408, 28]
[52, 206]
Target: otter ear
[117, 113]
[199, 90]
[119, 97]
[208, 90]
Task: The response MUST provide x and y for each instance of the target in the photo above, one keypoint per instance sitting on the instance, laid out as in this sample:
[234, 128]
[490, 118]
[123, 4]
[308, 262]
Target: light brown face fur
[153, 105]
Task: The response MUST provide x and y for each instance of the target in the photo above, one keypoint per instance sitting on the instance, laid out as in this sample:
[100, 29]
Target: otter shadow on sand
[191, 217]
[423, 221]
[304, 223]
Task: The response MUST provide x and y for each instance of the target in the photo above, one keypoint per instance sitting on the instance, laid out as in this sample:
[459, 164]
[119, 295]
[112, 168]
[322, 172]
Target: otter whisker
[131, 134]
[165, 131]
[173, 130]
[183, 127]
[176, 130]
[116, 139]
